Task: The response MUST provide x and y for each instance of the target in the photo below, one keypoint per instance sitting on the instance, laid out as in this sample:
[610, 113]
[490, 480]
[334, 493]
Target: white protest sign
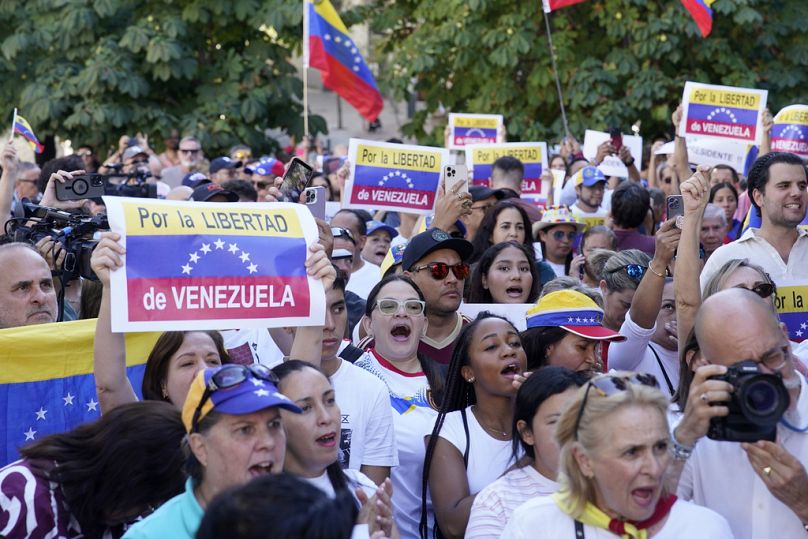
[612, 165]
[726, 112]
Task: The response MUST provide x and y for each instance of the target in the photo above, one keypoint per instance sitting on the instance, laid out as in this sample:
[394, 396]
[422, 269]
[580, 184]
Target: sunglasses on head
[390, 306]
[764, 290]
[635, 272]
[439, 270]
[231, 376]
[559, 235]
[609, 384]
[342, 233]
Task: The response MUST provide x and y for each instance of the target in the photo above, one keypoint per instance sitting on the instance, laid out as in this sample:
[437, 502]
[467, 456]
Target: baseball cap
[374, 226]
[223, 162]
[479, 192]
[195, 179]
[338, 254]
[255, 392]
[431, 240]
[266, 167]
[392, 258]
[588, 176]
[572, 311]
[132, 151]
[206, 191]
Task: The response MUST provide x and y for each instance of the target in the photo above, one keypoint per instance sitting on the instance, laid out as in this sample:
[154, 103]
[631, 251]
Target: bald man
[760, 488]
[27, 295]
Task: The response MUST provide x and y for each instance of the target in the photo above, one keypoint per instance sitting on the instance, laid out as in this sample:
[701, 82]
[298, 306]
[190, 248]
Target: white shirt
[364, 279]
[635, 354]
[245, 346]
[495, 503]
[541, 518]
[413, 419]
[559, 269]
[367, 435]
[718, 475]
[354, 478]
[589, 219]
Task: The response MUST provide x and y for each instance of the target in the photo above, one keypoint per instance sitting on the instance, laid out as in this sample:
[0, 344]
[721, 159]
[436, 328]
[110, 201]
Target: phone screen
[616, 138]
[295, 180]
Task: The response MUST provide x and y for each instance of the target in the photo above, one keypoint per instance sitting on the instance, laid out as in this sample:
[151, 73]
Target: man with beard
[191, 160]
[590, 185]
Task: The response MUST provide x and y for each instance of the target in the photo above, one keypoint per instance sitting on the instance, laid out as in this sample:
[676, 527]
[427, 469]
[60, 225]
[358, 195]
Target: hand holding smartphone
[296, 179]
[454, 174]
[616, 138]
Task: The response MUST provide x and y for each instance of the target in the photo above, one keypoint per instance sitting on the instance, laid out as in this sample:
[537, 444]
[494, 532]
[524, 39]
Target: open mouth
[328, 440]
[514, 291]
[643, 496]
[400, 332]
[510, 370]
[262, 468]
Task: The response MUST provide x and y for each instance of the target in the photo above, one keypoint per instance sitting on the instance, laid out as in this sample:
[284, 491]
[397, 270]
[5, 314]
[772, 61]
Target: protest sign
[713, 151]
[466, 129]
[723, 112]
[396, 177]
[790, 131]
[533, 155]
[611, 164]
[197, 265]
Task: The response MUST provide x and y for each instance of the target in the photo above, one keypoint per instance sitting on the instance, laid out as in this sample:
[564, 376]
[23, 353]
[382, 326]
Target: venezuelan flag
[23, 128]
[332, 51]
[702, 13]
[551, 5]
[46, 380]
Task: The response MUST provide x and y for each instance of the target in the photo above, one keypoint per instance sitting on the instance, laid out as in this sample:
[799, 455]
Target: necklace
[498, 432]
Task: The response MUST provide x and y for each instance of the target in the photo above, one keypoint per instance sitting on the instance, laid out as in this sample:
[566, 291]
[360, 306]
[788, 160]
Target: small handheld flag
[23, 128]
[701, 13]
[551, 5]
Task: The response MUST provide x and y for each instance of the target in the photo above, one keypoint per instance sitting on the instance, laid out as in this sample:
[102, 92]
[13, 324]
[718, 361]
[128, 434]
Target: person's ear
[365, 321]
[196, 443]
[603, 288]
[426, 327]
[757, 196]
[583, 461]
[525, 432]
[467, 373]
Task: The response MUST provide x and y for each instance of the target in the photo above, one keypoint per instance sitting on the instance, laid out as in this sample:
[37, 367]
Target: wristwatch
[679, 451]
[629, 162]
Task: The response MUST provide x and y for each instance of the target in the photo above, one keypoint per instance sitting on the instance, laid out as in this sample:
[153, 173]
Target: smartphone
[454, 174]
[314, 199]
[675, 206]
[81, 187]
[296, 179]
[616, 138]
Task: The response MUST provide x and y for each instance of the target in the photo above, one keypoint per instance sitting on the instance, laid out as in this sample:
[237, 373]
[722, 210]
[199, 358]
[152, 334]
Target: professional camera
[756, 404]
[133, 184]
[75, 232]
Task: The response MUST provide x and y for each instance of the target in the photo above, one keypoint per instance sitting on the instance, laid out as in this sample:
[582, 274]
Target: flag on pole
[23, 128]
[701, 13]
[331, 50]
[552, 5]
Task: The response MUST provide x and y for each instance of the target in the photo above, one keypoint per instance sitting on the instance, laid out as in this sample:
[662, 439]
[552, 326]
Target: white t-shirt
[488, 457]
[541, 518]
[495, 503]
[636, 354]
[589, 219]
[364, 279]
[246, 346]
[367, 435]
[559, 269]
[413, 418]
[354, 478]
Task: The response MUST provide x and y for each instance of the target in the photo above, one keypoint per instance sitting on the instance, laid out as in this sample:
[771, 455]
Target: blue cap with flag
[572, 311]
[588, 176]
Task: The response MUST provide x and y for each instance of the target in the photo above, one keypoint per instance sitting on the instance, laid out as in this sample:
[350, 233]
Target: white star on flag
[186, 269]
[29, 434]
[233, 248]
[262, 393]
[40, 414]
[194, 258]
[245, 256]
[798, 333]
[205, 248]
[569, 319]
[577, 319]
[92, 406]
[219, 244]
[69, 399]
[257, 382]
[803, 326]
[252, 268]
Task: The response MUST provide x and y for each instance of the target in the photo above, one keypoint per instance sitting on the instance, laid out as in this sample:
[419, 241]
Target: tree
[619, 60]
[92, 70]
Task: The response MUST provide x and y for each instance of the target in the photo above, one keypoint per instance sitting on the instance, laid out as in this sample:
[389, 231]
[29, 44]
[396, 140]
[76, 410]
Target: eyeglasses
[342, 233]
[84, 154]
[609, 384]
[775, 361]
[191, 151]
[439, 270]
[390, 306]
[635, 272]
[559, 235]
[764, 290]
[231, 376]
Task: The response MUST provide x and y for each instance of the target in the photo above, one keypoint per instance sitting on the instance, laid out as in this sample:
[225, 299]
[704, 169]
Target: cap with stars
[574, 312]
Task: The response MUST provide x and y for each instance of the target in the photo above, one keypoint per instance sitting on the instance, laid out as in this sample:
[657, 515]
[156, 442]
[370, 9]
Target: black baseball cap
[206, 191]
[430, 241]
[223, 162]
[479, 192]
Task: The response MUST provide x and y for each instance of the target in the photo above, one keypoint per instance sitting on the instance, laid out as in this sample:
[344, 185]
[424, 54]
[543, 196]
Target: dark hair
[90, 301]
[361, 218]
[540, 386]
[508, 163]
[759, 173]
[115, 467]
[559, 156]
[157, 364]
[242, 188]
[459, 395]
[686, 374]
[546, 230]
[69, 163]
[478, 294]
[340, 280]
[434, 377]
[732, 171]
[536, 341]
[334, 471]
[630, 205]
[723, 185]
[328, 185]
[482, 238]
[281, 506]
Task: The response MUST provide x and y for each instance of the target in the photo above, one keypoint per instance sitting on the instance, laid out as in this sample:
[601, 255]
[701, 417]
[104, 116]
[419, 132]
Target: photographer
[761, 488]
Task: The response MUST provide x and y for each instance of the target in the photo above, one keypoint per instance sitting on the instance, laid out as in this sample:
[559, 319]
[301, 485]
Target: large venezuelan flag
[702, 13]
[46, 380]
[331, 50]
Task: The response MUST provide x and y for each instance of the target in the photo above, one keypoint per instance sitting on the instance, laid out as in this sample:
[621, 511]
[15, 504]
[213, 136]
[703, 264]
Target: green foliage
[92, 70]
[619, 60]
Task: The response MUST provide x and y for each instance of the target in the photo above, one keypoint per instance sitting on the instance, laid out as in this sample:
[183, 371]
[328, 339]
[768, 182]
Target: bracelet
[679, 451]
[652, 270]
[629, 162]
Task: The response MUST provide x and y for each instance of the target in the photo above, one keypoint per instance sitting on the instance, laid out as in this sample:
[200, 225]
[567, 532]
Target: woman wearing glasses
[614, 454]
[395, 317]
[506, 221]
[558, 231]
[470, 444]
[506, 273]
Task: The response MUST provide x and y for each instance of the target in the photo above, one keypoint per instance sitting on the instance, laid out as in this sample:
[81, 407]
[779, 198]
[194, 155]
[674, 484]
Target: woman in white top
[539, 403]
[470, 445]
[614, 454]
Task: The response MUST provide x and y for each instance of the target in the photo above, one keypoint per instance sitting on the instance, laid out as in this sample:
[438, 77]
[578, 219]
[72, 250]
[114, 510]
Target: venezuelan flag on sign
[46, 380]
[332, 51]
[23, 128]
[701, 13]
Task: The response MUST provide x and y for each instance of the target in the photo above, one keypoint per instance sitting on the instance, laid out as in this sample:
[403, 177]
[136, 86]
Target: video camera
[132, 184]
[75, 232]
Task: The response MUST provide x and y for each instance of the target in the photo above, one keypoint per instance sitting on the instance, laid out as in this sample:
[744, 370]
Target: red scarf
[662, 509]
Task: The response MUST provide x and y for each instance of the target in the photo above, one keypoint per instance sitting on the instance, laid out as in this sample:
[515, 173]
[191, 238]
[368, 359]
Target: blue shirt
[178, 518]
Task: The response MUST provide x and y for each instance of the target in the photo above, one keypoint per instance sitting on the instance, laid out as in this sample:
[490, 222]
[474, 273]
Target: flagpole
[555, 72]
[13, 123]
[305, 69]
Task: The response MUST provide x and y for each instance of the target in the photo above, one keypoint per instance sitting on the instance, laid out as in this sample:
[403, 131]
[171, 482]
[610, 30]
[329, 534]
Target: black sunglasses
[439, 270]
[609, 384]
[635, 272]
[231, 376]
[342, 233]
[764, 290]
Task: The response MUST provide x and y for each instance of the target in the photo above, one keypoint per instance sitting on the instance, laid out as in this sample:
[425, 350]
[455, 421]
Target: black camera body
[756, 405]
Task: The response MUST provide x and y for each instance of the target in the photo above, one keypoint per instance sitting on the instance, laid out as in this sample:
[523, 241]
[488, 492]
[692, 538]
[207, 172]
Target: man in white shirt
[761, 488]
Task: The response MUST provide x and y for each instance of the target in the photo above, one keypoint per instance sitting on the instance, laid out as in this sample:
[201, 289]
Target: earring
[165, 394]
[471, 380]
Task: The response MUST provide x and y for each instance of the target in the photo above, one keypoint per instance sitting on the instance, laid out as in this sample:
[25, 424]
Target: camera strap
[662, 368]
[579, 530]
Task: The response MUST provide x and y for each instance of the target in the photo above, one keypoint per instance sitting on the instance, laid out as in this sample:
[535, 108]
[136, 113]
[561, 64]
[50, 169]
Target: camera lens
[80, 187]
[761, 397]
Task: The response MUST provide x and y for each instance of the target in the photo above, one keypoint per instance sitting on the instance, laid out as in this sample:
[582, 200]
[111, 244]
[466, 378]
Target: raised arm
[8, 180]
[308, 341]
[648, 298]
[766, 142]
[681, 162]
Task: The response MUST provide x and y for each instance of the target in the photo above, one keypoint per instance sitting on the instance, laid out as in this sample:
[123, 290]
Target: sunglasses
[190, 151]
[342, 233]
[390, 306]
[609, 384]
[764, 290]
[559, 235]
[635, 272]
[231, 376]
[439, 270]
